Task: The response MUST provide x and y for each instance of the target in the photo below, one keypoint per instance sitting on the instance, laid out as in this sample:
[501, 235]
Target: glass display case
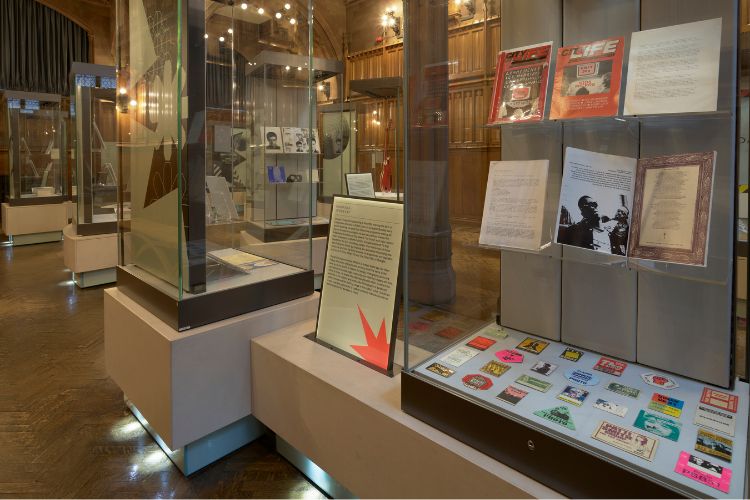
[600, 367]
[36, 166]
[281, 172]
[93, 106]
[379, 111]
[189, 160]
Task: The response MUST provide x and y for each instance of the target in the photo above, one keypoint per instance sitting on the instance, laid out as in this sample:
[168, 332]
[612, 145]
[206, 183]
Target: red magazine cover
[520, 84]
[587, 79]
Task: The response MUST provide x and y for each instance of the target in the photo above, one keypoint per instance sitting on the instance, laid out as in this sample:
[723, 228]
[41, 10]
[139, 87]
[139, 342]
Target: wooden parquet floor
[64, 429]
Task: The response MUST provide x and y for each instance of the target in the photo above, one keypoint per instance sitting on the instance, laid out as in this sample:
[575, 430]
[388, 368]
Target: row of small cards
[715, 411]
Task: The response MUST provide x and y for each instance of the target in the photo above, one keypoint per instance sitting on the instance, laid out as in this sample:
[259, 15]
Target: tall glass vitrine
[95, 153]
[36, 164]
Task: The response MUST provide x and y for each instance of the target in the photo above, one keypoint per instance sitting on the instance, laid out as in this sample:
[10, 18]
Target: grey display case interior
[671, 319]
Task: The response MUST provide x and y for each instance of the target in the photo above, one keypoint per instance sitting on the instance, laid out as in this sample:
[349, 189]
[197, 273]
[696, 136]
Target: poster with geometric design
[360, 295]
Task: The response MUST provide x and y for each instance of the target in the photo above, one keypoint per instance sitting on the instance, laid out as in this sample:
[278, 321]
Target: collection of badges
[715, 413]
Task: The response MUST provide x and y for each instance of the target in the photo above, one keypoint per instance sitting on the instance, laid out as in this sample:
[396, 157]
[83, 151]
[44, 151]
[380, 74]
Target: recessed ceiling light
[243, 6]
[299, 68]
[123, 91]
[230, 31]
[287, 68]
[292, 21]
[287, 6]
[221, 38]
[261, 10]
[278, 15]
[133, 102]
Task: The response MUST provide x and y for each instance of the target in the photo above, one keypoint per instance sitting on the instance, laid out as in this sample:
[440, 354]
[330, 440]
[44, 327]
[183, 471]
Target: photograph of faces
[595, 201]
[272, 140]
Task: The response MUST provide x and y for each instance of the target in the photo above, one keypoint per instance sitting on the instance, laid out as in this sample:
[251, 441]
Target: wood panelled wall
[472, 50]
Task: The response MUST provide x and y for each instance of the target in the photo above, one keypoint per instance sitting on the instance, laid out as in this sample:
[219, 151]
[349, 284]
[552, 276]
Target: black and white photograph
[272, 140]
[706, 466]
[544, 368]
[294, 140]
[595, 201]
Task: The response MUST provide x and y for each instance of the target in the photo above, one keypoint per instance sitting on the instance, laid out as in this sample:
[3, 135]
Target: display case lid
[324, 68]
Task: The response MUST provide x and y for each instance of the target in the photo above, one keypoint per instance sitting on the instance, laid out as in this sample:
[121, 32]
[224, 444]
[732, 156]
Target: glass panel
[151, 135]
[96, 152]
[36, 165]
[560, 340]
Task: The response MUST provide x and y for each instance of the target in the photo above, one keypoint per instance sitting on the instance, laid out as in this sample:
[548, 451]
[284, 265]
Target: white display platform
[28, 224]
[194, 384]
[347, 419]
[92, 259]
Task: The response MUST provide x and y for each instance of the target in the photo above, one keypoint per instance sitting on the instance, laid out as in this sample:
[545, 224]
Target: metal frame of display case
[537, 291]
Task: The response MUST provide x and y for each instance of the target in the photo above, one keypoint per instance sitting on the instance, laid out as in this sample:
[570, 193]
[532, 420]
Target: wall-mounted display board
[615, 366]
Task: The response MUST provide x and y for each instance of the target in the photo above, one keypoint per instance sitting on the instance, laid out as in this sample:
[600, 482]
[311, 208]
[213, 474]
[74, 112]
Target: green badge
[559, 415]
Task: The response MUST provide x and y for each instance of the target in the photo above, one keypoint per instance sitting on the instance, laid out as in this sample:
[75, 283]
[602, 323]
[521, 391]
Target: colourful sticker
[660, 426]
[571, 354]
[666, 405]
[477, 382]
[434, 315]
[459, 356]
[441, 370]
[450, 332]
[714, 445]
[418, 326]
[718, 399]
[581, 377]
[704, 472]
[711, 418]
[495, 368]
[509, 356]
[611, 407]
[573, 395]
[611, 366]
[512, 395]
[626, 440]
[533, 346]
[534, 383]
[623, 390]
[659, 381]
[559, 415]
[544, 368]
[481, 343]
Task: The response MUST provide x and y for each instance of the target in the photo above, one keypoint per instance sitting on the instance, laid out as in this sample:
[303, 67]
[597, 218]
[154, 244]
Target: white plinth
[347, 419]
[92, 259]
[27, 220]
[188, 384]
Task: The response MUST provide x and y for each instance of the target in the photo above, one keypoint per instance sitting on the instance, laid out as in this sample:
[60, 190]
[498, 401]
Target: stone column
[431, 276]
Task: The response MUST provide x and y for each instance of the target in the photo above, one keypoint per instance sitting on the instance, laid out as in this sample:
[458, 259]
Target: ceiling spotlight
[205, 36]
[278, 15]
[243, 6]
[133, 102]
[261, 10]
[292, 21]
[299, 68]
[230, 31]
[287, 68]
[123, 91]
[287, 6]
[320, 87]
[221, 38]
